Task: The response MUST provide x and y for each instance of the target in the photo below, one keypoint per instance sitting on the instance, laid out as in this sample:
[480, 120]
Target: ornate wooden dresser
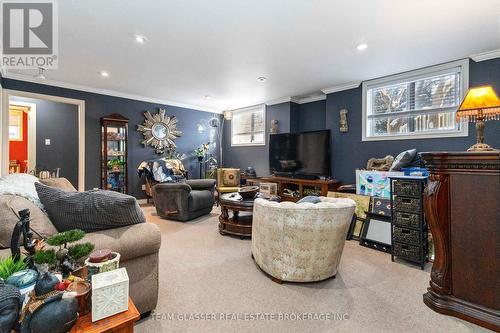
[462, 207]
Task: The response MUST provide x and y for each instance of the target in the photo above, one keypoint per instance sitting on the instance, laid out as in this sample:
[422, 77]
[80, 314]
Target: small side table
[239, 225]
[119, 323]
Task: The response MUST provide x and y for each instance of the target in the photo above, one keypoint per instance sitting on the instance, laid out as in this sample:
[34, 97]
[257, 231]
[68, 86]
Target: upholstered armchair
[184, 201]
[300, 242]
[228, 180]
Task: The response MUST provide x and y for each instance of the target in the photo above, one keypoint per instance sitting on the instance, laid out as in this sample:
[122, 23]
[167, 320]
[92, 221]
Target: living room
[249, 166]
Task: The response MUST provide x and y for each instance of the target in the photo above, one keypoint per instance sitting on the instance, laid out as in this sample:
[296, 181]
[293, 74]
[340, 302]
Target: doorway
[51, 134]
[22, 137]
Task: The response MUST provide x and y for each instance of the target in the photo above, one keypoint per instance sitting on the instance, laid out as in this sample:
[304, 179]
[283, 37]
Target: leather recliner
[184, 201]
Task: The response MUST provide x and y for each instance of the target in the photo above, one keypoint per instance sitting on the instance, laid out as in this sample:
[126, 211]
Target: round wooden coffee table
[237, 224]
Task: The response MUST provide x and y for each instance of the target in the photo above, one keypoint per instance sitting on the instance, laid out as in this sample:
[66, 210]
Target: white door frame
[4, 129]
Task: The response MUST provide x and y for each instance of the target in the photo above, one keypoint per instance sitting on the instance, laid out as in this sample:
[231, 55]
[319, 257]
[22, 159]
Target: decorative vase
[24, 280]
[82, 290]
[105, 266]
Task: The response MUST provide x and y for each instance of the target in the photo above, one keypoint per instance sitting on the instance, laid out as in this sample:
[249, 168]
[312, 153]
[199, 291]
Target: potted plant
[115, 165]
[66, 257]
[45, 260]
[200, 153]
[202, 150]
[9, 266]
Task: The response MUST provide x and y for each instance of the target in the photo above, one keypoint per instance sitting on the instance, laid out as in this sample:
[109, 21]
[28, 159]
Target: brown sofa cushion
[230, 177]
[61, 183]
[131, 242]
[10, 205]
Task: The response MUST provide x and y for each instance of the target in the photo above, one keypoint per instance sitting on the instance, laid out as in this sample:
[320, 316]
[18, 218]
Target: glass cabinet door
[114, 152]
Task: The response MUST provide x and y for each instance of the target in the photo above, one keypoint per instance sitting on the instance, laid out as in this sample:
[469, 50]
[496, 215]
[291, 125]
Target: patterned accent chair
[228, 180]
[300, 242]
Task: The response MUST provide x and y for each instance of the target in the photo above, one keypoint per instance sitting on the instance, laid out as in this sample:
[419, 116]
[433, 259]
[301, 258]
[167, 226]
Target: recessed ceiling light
[362, 47]
[140, 39]
[262, 78]
[40, 75]
[104, 73]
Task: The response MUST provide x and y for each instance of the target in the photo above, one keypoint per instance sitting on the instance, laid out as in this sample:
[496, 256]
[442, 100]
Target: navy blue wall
[257, 156]
[312, 116]
[294, 118]
[63, 149]
[348, 151]
[97, 105]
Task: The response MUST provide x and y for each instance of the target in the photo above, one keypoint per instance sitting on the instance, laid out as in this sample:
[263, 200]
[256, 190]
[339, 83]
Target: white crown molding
[341, 87]
[486, 55]
[279, 101]
[297, 100]
[310, 99]
[107, 92]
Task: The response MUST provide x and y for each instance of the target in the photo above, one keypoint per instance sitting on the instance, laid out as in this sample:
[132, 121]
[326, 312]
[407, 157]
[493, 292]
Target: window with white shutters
[418, 104]
[248, 126]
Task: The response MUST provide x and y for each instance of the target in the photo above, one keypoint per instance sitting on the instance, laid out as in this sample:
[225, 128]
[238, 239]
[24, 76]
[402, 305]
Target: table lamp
[479, 105]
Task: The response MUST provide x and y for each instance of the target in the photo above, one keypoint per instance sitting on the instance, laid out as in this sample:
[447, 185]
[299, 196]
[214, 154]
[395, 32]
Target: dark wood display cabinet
[114, 153]
[462, 208]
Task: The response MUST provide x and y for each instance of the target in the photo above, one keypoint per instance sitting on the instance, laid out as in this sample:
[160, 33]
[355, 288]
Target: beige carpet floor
[202, 272]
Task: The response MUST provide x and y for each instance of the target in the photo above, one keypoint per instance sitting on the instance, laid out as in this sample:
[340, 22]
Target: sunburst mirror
[159, 131]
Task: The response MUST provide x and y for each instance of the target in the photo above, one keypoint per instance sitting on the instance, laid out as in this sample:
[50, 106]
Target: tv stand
[294, 189]
[295, 175]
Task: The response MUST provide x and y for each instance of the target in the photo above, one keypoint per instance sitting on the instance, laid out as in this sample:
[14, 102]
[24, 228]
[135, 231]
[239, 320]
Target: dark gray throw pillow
[403, 160]
[310, 198]
[89, 211]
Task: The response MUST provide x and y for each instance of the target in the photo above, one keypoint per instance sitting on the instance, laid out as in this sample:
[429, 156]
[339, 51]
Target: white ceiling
[220, 47]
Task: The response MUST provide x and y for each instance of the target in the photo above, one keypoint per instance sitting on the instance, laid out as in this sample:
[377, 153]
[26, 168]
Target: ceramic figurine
[23, 228]
[48, 310]
[54, 315]
[250, 171]
[10, 305]
[380, 164]
[274, 127]
[343, 120]
[46, 284]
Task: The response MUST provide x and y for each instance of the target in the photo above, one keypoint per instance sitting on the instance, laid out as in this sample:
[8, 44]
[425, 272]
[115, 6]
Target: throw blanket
[162, 170]
[21, 184]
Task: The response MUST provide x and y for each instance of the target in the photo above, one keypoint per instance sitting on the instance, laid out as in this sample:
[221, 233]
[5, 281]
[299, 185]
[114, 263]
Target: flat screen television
[300, 154]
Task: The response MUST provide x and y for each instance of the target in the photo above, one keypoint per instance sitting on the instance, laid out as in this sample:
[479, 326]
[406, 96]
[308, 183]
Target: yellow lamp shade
[480, 102]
